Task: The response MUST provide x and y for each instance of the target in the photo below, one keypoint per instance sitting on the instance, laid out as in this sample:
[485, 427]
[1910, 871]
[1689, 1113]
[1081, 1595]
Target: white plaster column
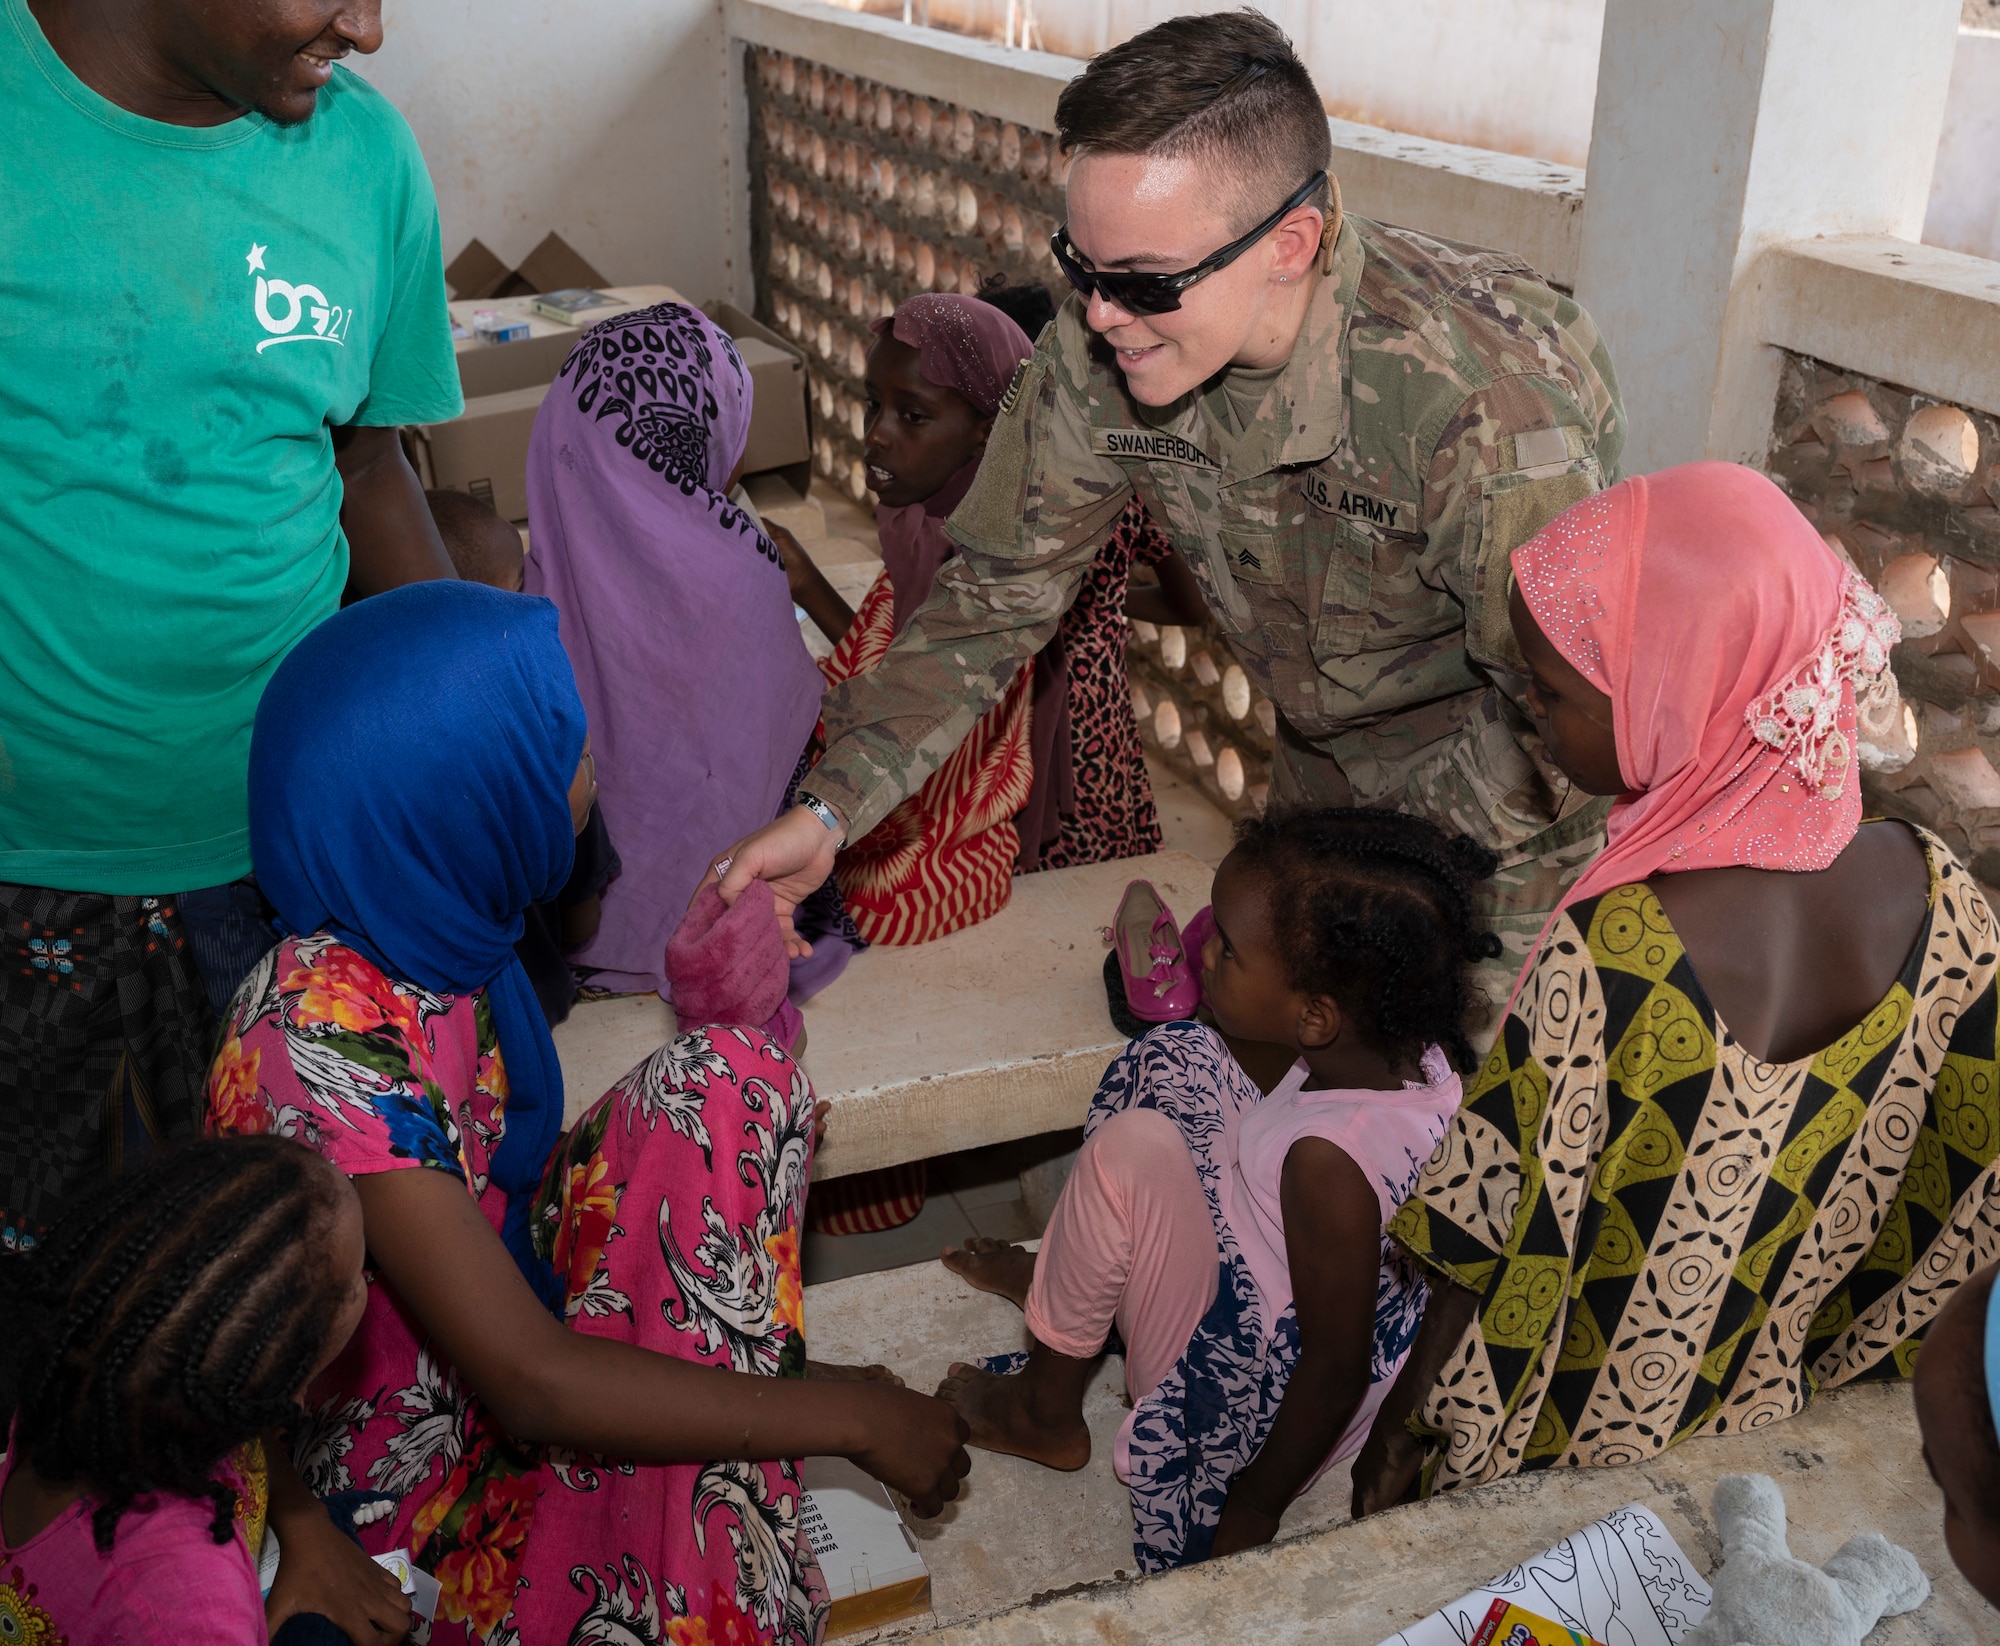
[1723, 127]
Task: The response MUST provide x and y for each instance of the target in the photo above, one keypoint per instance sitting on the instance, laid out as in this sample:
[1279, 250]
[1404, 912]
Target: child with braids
[1235, 1240]
[166, 1325]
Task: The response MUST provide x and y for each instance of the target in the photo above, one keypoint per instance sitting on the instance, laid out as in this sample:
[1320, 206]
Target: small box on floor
[873, 1572]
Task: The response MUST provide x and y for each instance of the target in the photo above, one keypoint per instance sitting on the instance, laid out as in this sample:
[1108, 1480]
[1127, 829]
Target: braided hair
[172, 1316]
[1376, 911]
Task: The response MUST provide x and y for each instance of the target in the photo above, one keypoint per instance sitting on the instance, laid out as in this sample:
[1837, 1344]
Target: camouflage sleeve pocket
[1512, 508]
[994, 511]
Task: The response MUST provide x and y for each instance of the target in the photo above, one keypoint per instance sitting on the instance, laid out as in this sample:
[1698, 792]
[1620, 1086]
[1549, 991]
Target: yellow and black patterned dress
[1670, 1237]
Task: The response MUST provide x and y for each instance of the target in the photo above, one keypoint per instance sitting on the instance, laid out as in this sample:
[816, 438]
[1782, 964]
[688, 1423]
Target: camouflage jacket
[1441, 405]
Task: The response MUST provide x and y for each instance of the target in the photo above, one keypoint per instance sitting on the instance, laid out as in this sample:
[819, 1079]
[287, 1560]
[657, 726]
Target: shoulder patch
[1333, 496]
[1151, 446]
[1013, 395]
[1537, 448]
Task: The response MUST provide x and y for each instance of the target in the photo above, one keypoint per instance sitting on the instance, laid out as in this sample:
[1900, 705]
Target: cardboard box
[780, 414]
[872, 1570]
[478, 272]
[494, 368]
[484, 451]
[555, 264]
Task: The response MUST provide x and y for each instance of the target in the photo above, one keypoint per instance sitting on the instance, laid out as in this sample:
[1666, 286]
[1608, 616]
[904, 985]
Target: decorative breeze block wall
[1907, 488]
[865, 194]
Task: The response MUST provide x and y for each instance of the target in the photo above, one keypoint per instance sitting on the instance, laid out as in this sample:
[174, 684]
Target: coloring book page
[1622, 1580]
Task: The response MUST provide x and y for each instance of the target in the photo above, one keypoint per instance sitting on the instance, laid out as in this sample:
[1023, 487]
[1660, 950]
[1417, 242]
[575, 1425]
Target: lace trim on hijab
[1800, 716]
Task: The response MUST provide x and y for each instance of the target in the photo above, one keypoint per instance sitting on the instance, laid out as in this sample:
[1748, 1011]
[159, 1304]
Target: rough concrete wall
[606, 123]
[1909, 490]
[864, 195]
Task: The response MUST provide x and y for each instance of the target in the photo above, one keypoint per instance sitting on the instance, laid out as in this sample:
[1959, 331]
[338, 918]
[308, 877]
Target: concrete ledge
[1021, 86]
[1530, 207]
[1848, 1464]
[1913, 315]
[996, 1032]
[1533, 208]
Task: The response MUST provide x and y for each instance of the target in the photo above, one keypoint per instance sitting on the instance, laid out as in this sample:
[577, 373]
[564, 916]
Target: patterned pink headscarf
[1729, 639]
[961, 344]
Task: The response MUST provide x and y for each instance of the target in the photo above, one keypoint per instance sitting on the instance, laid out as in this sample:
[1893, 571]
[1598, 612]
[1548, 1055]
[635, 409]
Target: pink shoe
[1194, 938]
[1160, 985]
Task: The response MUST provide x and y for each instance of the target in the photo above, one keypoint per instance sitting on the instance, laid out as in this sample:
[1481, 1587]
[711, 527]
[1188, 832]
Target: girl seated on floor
[944, 858]
[1235, 1240]
[701, 694]
[169, 1322]
[1054, 774]
[581, 1372]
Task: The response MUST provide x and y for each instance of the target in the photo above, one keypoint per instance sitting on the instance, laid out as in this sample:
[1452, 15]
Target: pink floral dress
[671, 1210]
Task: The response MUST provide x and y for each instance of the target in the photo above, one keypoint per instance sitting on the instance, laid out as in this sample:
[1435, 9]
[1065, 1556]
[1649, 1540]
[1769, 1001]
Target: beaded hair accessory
[1800, 716]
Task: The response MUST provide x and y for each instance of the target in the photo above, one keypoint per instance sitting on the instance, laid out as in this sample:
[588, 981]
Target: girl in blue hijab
[563, 1374]
[411, 772]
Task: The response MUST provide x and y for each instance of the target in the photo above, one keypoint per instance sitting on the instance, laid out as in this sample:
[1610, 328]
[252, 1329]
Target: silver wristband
[826, 814]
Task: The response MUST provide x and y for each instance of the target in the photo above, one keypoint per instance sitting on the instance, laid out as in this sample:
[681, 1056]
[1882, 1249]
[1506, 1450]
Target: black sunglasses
[1161, 293]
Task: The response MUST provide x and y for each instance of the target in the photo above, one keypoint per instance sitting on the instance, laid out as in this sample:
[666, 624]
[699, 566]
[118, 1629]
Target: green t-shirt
[185, 316]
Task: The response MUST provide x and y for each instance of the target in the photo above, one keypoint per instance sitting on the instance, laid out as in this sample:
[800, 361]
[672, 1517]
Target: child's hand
[917, 1447]
[798, 564]
[1243, 1526]
[321, 1570]
[821, 1110]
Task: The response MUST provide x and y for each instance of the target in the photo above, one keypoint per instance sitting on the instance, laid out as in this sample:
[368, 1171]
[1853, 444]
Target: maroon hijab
[972, 347]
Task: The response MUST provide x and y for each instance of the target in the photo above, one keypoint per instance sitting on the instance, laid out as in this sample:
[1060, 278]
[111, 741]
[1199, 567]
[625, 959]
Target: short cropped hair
[1225, 88]
[483, 547]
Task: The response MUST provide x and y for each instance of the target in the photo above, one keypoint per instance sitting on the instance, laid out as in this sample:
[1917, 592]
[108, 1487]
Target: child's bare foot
[827, 1371]
[993, 1266]
[1005, 1415]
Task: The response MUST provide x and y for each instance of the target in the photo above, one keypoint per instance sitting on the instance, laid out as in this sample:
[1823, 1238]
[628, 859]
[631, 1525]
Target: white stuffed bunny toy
[1764, 1597]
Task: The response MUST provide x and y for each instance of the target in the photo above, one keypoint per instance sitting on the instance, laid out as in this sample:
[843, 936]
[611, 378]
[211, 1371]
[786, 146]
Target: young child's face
[1950, 1386]
[1242, 979]
[918, 435]
[1573, 716]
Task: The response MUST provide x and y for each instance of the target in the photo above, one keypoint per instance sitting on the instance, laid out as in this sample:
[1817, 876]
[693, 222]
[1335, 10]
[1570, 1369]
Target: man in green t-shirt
[223, 291]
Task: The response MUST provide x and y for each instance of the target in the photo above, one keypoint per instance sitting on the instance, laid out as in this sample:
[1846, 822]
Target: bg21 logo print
[283, 307]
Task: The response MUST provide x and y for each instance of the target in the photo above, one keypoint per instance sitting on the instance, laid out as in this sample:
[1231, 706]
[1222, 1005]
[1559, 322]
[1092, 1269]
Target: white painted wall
[1724, 127]
[1965, 192]
[1518, 76]
[607, 121]
[1512, 75]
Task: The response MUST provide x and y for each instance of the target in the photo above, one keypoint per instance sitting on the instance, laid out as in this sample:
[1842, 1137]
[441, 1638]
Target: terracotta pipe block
[1939, 451]
[1919, 592]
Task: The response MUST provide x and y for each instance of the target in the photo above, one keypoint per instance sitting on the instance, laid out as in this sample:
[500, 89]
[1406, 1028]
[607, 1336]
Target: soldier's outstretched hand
[794, 854]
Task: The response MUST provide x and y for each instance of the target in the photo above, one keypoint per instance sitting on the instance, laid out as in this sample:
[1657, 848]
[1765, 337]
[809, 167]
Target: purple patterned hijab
[675, 614]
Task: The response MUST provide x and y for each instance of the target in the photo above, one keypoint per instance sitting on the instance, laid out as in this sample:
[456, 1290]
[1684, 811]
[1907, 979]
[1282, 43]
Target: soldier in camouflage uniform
[1349, 517]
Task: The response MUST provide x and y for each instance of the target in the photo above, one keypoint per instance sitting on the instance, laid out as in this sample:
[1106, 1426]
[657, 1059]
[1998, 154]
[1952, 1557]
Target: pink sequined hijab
[1730, 640]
